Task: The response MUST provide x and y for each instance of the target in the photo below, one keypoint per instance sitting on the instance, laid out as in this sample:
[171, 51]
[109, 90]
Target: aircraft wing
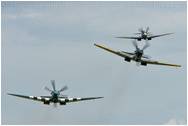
[115, 52]
[67, 100]
[31, 97]
[46, 96]
[159, 35]
[130, 37]
[127, 53]
[159, 63]
[42, 99]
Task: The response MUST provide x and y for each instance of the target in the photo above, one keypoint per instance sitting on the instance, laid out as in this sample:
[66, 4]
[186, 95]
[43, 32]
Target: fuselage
[138, 55]
[55, 96]
[144, 35]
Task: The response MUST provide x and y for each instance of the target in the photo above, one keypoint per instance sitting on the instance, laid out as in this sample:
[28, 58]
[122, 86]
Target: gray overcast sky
[42, 41]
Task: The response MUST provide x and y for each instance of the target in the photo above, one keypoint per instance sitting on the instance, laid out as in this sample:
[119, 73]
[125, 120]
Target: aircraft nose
[56, 92]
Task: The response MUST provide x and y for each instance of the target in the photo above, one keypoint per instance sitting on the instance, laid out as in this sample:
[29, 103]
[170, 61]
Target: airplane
[138, 56]
[145, 35]
[55, 97]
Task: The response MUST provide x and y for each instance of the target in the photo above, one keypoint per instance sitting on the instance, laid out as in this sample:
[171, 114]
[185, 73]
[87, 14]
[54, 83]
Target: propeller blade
[146, 45]
[138, 64]
[46, 88]
[149, 34]
[66, 96]
[135, 44]
[53, 84]
[137, 33]
[55, 105]
[140, 30]
[147, 57]
[64, 88]
[147, 29]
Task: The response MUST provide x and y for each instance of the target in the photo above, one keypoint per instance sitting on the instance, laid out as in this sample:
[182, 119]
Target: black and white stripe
[63, 100]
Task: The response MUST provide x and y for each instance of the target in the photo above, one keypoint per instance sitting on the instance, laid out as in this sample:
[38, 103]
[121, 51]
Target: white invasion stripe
[39, 98]
[78, 98]
[62, 100]
[31, 96]
[70, 99]
[47, 99]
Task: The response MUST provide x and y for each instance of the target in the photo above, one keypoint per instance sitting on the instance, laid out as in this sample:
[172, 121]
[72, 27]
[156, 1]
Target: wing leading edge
[149, 37]
[31, 97]
[145, 61]
[112, 51]
[78, 99]
[160, 35]
[130, 37]
[159, 63]
[42, 99]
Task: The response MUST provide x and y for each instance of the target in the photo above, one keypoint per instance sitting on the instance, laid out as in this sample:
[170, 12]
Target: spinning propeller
[136, 45]
[56, 93]
[144, 31]
[141, 51]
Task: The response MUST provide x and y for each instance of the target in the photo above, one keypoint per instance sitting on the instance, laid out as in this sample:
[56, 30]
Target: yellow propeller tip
[43, 87]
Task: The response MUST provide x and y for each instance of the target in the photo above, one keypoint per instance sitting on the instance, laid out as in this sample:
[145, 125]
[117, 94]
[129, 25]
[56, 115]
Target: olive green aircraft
[144, 34]
[55, 97]
[138, 56]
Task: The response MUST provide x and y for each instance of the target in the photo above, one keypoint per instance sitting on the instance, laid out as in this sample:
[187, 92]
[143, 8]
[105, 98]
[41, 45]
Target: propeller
[146, 45]
[140, 30]
[147, 29]
[66, 96]
[147, 57]
[64, 88]
[55, 105]
[149, 34]
[53, 84]
[141, 51]
[135, 44]
[56, 93]
[138, 64]
[137, 33]
[46, 88]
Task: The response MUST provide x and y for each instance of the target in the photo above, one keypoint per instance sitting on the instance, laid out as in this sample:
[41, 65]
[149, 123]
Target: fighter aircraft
[55, 97]
[144, 35]
[138, 56]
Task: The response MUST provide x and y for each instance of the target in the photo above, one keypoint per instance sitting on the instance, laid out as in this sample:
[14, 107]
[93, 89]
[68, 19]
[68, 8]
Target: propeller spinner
[139, 52]
[55, 93]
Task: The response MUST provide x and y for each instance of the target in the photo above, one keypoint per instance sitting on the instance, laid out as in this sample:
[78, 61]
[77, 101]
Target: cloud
[21, 16]
[174, 121]
[40, 44]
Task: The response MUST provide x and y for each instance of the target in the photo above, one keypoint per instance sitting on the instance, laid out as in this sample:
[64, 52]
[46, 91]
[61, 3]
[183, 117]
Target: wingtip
[177, 65]
[10, 94]
[100, 97]
[170, 33]
[96, 44]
